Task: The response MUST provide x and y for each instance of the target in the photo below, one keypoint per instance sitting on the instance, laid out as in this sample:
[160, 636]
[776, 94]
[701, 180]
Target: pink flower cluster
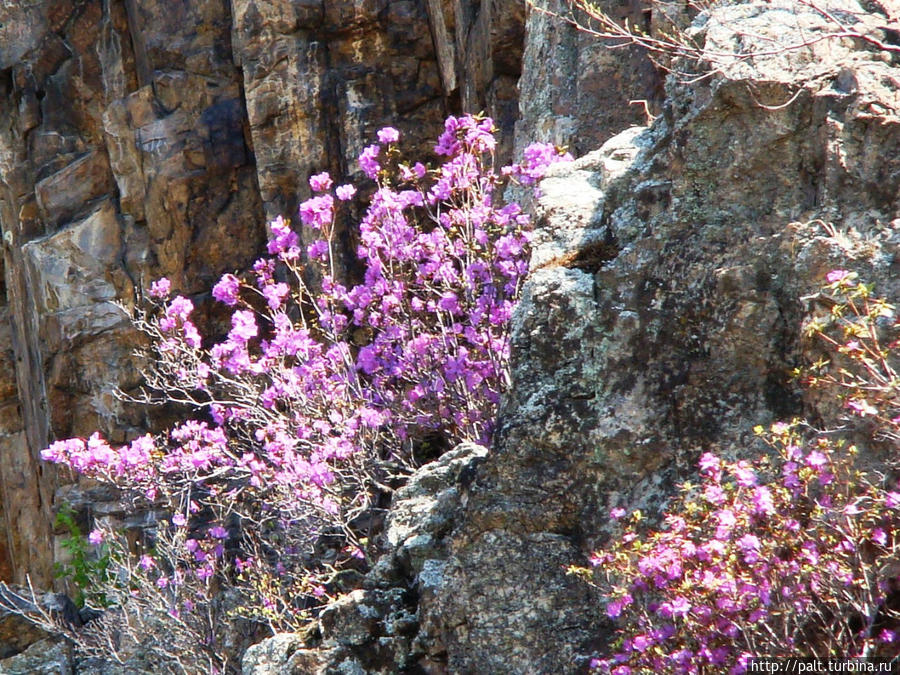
[776, 557]
[314, 392]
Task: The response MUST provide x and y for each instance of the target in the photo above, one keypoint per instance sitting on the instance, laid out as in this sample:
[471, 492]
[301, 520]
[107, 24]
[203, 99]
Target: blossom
[320, 182]
[816, 460]
[317, 212]
[368, 161]
[96, 537]
[160, 288]
[709, 463]
[243, 326]
[745, 476]
[862, 407]
[282, 238]
[275, 294]
[388, 135]
[218, 532]
[345, 192]
[227, 290]
[614, 607]
[537, 158]
[763, 503]
[836, 276]
[749, 545]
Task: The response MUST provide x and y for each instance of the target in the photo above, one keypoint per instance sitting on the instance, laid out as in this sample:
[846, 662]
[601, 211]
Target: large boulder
[662, 316]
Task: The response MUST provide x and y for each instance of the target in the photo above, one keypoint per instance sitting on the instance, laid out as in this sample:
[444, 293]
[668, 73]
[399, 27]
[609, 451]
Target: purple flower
[160, 288]
[146, 563]
[366, 360]
[179, 308]
[243, 326]
[536, 158]
[614, 607]
[640, 643]
[179, 520]
[345, 192]
[275, 294]
[388, 135]
[317, 212]
[714, 494]
[62, 451]
[449, 302]
[727, 521]
[745, 476]
[218, 532]
[709, 463]
[318, 250]
[678, 606]
[763, 505]
[320, 182]
[816, 460]
[96, 537]
[282, 239]
[227, 290]
[368, 161]
[749, 545]
[836, 276]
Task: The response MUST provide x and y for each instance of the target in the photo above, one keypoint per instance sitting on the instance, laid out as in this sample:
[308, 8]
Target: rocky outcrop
[383, 627]
[661, 317]
[579, 90]
[663, 313]
[141, 139]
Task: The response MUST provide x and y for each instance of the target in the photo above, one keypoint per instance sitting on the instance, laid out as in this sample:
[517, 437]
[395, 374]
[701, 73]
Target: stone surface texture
[661, 319]
[662, 316]
[142, 139]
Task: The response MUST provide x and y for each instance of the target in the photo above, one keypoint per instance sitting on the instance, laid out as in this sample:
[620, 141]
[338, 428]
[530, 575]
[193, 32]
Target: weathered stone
[73, 188]
[19, 635]
[422, 511]
[271, 656]
[576, 91]
[142, 139]
[46, 657]
[662, 318]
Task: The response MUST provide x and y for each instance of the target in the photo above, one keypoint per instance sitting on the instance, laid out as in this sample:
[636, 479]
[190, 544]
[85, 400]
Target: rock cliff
[140, 139]
[662, 319]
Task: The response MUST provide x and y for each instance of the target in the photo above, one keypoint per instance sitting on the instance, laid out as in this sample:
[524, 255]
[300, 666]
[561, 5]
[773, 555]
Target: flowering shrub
[316, 397]
[793, 553]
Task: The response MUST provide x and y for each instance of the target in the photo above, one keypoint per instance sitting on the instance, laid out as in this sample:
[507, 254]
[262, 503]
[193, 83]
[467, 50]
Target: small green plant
[87, 565]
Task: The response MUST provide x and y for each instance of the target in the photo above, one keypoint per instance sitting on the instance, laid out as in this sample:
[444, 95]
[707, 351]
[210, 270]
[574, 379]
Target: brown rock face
[142, 139]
